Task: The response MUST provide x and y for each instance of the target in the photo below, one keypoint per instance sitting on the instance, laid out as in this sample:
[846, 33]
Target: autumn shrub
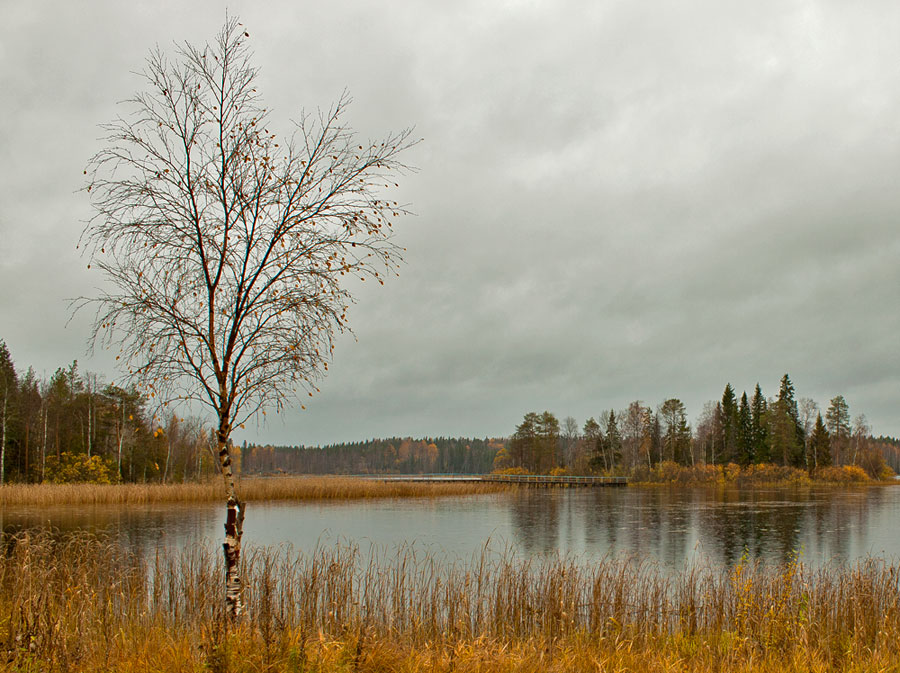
[512, 470]
[78, 468]
[670, 472]
[846, 474]
[872, 461]
[731, 472]
[769, 473]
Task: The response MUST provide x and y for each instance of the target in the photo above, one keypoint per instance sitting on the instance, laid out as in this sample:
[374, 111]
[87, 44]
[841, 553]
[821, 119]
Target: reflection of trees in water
[779, 524]
[139, 528]
[842, 520]
[663, 523]
[639, 522]
[535, 519]
[602, 518]
[762, 524]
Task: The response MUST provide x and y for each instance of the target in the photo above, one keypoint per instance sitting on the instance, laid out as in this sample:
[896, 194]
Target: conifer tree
[784, 425]
[8, 388]
[593, 438]
[744, 432]
[819, 446]
[759, 426]
[613, 441]
[729, 425]
[676, 433]
[837, 420]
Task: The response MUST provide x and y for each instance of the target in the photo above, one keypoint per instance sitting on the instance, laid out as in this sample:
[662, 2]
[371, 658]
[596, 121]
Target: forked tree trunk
[234, 529]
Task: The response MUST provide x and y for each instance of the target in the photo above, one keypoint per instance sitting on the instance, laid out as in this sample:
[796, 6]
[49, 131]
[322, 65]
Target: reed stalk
[86, 604]
[250, 489]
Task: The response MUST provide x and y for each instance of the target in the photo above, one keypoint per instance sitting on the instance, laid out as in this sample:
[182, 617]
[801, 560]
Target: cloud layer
[615, 200]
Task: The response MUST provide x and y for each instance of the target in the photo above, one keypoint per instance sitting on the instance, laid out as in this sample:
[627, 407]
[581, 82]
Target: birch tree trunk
[234, 529]
[44, 445]
[3, 437]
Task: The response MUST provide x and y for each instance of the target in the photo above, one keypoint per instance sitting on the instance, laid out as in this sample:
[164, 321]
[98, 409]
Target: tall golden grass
[82, 604]
[277, 488]
[766, 474]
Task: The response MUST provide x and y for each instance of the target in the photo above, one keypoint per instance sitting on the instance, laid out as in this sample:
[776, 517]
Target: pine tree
[548, 442]
[522, 444]
[676, 437]
[837, 420]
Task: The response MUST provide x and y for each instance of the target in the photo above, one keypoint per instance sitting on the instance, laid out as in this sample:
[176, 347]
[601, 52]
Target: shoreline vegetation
[319, 487]
[251, 489]
[82, 603]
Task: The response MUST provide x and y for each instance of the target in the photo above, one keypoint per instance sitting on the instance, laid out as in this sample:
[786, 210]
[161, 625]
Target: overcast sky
[615, 200]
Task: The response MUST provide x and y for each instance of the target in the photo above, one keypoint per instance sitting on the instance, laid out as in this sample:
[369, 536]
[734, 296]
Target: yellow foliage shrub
[71, 468]
[847, 474]
[512, 470]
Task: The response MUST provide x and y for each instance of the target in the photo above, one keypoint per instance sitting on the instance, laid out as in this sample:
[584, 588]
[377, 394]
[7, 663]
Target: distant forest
[71, 426]
[377, 456]
[745, 430]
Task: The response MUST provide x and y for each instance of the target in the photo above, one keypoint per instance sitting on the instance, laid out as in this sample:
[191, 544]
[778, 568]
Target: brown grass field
[83, 604]
[250, 489]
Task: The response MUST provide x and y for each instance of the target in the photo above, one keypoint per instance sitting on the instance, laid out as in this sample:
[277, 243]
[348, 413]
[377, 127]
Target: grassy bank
[85, 605]
[766, 474]
[250, 489]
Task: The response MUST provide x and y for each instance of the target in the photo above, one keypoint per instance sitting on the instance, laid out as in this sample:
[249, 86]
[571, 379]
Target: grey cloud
[615, 200]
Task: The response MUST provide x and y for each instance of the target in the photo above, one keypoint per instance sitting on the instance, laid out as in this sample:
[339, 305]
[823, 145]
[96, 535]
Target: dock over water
[527, 479]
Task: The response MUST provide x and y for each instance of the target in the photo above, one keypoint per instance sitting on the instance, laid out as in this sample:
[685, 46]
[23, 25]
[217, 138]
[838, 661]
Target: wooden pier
[545, 480]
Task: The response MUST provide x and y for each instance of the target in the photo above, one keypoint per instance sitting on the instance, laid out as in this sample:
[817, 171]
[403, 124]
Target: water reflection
[140, 527]
[721, 525]
[669, 525]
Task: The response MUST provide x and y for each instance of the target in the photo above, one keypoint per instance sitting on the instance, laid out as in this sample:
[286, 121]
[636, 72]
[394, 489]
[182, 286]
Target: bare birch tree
[224, 246]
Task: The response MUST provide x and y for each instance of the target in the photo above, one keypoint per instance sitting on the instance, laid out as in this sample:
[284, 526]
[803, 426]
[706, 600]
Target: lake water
[667, 525]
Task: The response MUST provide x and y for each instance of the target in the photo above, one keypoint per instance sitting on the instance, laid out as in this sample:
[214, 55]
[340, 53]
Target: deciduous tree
[224, 246]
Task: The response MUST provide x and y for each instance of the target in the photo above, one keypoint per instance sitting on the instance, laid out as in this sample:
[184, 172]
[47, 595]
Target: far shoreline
[262, 488]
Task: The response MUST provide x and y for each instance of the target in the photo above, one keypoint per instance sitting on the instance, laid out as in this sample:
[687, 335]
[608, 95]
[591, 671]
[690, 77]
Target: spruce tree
[784, 423]
[819, 446]
[759, 426]
[744, 432]
[613, 441]
[729, 425]
[593, 437]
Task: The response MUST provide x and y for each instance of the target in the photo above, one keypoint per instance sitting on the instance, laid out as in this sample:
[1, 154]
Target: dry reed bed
[80, 603]
[258, 489]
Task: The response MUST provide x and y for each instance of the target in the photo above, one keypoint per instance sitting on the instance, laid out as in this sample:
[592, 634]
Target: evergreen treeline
[377, 456]
[749, 430]
[72, 427]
